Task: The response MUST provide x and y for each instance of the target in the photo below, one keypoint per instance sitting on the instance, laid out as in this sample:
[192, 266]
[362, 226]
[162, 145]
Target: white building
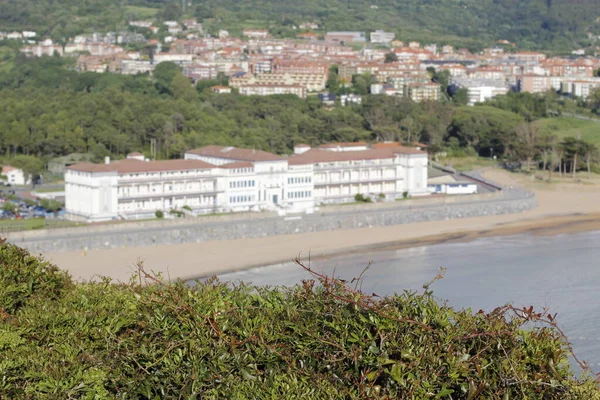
[224, 179]
[137, 189]
[382, 37]
[340, 175]
[480, 90]
[15, 176]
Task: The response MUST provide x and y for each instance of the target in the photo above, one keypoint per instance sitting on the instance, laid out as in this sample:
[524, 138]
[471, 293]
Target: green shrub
[359, 198]
[186, 207]
[151, 339]
[159, 214]
[25, 278]
[405, 194]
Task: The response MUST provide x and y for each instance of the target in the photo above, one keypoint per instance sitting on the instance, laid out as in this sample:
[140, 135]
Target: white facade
[15, 176]
[382, 37]
[453, 188]
[480, 90]
[388, 173]
[228, 179]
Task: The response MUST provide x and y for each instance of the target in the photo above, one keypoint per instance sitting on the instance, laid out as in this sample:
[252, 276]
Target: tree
[32, 166]
[181, 88]
[391, 57]
[460, 96]
[590, 152]
[527, 133]
[333, 80]
[164, 73]
[362, 83]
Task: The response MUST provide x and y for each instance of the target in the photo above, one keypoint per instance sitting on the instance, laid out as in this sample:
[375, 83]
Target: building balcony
[357, 181]
[146, 196]
[136, 180]
[354, 166]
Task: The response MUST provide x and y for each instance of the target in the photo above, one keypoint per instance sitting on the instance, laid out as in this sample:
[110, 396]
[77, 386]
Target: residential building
[308, 25]
[480, 90]
[419, 92]
[528, 56]
[328, 99]
[347, 99]
[345, 37]
[201, 70]
[308, 36]
[221, 89]
[538, 83]
[382, 37]
[141, 24]
[133, 67]
[42, 49]
[582, 88]
[268, 89]
[311, 82]
[256, 33]
[14, 176]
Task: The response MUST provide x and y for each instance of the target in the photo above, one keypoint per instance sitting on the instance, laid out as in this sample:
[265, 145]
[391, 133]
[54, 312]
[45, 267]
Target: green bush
[187, 208]
[405, 194]
[155, 340]
[159, 214]
[359, 198]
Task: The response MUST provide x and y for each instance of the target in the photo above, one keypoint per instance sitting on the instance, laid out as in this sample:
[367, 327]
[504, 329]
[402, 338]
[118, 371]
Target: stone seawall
[509, 202]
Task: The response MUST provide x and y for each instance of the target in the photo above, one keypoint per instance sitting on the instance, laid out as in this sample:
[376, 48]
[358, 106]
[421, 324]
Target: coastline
[561, 225]
[561, 210]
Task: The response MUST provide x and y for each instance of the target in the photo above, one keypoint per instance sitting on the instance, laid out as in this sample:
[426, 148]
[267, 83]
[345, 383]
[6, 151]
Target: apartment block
[382, 37]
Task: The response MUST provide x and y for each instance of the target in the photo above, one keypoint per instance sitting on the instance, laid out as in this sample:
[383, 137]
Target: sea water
[561, 273]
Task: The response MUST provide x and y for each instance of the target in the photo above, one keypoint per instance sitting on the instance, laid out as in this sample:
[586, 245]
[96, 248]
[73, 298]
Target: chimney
[107, 160]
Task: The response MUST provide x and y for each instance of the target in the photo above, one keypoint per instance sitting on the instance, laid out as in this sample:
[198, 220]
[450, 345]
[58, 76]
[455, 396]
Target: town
[257, 64]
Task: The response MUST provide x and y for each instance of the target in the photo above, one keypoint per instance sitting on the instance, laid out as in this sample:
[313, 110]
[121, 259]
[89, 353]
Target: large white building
[480, 90]
[229, 179]
[382, 37]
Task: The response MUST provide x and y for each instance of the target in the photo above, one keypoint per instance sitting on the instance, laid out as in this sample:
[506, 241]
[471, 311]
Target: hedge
[322, 339]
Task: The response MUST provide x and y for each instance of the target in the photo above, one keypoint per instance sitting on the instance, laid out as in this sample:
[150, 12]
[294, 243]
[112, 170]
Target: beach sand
[564, 207]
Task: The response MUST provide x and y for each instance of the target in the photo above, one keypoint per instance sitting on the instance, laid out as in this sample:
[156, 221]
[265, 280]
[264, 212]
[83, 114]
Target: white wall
[91, 196]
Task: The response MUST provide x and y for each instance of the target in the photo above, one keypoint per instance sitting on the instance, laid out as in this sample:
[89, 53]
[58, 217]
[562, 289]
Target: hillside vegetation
[153, 340]
[539, 24]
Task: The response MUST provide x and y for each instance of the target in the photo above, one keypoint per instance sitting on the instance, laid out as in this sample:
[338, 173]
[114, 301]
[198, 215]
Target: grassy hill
[563, 127]
[535, 24]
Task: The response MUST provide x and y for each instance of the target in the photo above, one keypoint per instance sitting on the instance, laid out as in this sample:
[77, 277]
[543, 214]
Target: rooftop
[129, 166]
[235, 153]
[318, 156]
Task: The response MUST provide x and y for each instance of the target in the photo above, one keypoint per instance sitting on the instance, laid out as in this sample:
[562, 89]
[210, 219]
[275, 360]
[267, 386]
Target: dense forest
[48, 110]
[534, 24]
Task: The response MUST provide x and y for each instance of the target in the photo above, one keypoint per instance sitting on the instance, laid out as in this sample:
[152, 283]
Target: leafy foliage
[104, 340]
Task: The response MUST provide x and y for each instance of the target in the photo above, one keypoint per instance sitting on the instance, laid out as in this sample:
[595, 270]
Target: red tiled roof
[384, 145]
[135, 166]
[235, 153]
[316, 155]
[342, 144]
[238, 164]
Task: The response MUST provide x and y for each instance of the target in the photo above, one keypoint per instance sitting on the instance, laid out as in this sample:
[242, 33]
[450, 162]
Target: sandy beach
[564, 206]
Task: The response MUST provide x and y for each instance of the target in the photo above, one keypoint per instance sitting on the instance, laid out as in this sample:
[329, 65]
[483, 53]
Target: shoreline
[563, 208]
[556, 226]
